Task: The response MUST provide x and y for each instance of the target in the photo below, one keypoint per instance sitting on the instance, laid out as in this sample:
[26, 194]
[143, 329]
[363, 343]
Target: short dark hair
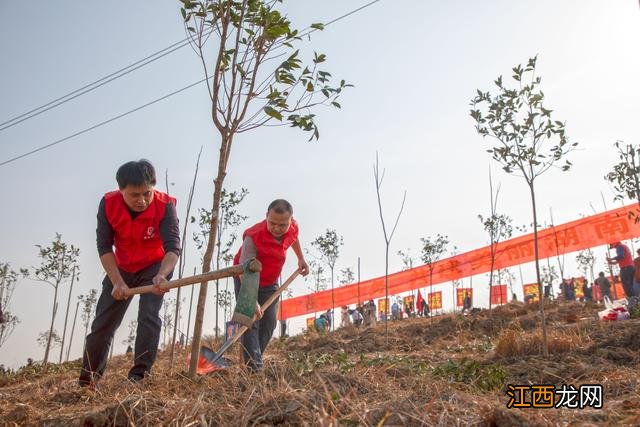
[280, 206]
[139, 172]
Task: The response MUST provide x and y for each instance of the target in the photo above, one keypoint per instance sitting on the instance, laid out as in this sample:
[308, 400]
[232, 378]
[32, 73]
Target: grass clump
[467, 371]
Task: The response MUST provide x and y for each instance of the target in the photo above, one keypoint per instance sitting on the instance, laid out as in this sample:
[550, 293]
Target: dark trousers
[626, 277]
[109, 314]
[254, 341]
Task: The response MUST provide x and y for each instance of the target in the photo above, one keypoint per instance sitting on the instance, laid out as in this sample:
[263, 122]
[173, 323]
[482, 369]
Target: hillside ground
[447, 370]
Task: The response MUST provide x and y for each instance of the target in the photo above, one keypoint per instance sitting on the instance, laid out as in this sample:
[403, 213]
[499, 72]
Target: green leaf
[272, 112]
[317, 26]
[335, 104]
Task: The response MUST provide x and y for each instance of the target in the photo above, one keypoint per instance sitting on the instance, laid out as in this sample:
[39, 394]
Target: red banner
[461, 293]
[435, 300]
[588, 232]
[499, 294]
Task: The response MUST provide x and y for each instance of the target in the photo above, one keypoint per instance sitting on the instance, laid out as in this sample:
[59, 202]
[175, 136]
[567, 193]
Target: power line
[59, 141]
[123, 72]
[93, 85]
[165, 52]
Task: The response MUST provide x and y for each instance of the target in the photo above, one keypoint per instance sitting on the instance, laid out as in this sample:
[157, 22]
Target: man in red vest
[138, 242]
[268, 241]
[624, 259]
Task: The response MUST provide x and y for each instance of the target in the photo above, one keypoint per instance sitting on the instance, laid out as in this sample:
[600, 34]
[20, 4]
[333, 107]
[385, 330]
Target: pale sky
[415, 66]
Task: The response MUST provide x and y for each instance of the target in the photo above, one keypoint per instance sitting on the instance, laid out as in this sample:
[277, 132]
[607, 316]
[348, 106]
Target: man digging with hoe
[141, 224]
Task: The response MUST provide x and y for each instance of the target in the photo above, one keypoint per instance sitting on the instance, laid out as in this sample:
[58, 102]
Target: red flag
[419, 300]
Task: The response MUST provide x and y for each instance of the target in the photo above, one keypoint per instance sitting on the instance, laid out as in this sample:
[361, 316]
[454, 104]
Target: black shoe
[136, 379]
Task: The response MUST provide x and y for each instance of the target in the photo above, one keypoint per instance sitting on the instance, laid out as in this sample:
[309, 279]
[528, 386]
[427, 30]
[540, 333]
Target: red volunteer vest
[270, 252]
[137, 241]
[627, 259]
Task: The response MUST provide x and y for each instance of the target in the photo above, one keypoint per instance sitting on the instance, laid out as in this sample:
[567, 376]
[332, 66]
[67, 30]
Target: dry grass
[445, 371]
[512, 343]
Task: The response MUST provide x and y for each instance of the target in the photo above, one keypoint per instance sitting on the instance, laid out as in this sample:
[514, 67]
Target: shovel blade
[209, 361]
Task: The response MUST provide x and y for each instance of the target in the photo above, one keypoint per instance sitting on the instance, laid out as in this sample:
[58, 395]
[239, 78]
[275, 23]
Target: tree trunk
[545, 347]
[386, 296]
[175, 330]
[73, 328]
[217, 306]
[333, 304]
[493, 262]
[53, 317]
[66, 315]
[225, 145]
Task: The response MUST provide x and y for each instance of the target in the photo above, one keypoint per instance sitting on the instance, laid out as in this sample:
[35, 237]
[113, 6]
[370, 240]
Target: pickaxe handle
[234, 270]
[242, 329]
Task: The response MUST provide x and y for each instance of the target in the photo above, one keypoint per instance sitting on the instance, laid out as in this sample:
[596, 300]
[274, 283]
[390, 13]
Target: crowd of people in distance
[569, 289]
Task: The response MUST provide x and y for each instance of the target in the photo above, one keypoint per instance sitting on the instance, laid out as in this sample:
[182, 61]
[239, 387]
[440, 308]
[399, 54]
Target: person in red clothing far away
[267, 241]
[624, 259]
[138, 241]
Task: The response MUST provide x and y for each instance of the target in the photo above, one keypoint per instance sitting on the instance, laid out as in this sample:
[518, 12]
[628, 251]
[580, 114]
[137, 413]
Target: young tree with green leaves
[586, 260]
[49, 338]
[548, 275]
[316, 273]
[433, 248]
[407, 259]
[8, 281]
[328, 246]
[346, 276]
[88, 303]
[131, 336]
[58, 263]
[379, 178]
[73, 328]
[229, 220]
[75, 273]
[254, 76]
[167, 318]
[499, 227]
[528, 142]
[625, 175]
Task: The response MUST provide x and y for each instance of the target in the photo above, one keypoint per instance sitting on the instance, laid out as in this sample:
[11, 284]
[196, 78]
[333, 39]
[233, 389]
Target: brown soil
[449, 370]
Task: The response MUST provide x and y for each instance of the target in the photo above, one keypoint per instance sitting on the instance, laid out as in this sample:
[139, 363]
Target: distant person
[571, 289]
[514, 297]
[370, 313]
[625, 261]
[466, 303]
[395, 311]
[321, 323]
[344, 317]
[636, 275]
[138, 241]
[356, 317]
[408, 309]
[604, 285]
[129, 350]
[547, 289]
[329, 316]
[587, 291]
[283, 328]
[425, 308]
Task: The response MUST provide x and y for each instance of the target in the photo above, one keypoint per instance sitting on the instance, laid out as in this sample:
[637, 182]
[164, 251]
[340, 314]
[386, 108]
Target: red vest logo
[151, 232]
